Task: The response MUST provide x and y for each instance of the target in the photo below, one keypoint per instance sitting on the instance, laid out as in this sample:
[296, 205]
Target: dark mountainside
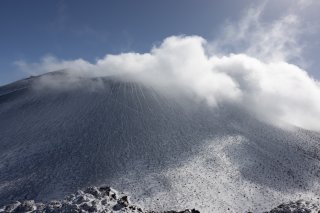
[56, 140]
[70, 138]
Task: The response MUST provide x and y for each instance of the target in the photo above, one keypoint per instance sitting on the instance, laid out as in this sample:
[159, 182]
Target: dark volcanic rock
[105, 199]
[300, 206]
[25, 206]
[185, 211]
[92, 199]
[124, 201]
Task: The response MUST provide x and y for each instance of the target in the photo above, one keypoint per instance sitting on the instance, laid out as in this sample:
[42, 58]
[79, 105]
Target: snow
[165, 152]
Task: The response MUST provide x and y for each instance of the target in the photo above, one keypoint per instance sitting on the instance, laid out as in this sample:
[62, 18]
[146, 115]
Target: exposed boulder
[300, 206]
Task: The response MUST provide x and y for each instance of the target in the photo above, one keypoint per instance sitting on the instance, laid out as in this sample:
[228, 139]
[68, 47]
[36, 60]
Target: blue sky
[31, 30]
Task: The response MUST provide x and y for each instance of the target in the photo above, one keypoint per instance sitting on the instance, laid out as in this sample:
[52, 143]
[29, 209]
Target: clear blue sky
[87, 29]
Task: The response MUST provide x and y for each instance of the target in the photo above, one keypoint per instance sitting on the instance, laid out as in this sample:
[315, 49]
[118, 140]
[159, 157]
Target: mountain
[59, 135]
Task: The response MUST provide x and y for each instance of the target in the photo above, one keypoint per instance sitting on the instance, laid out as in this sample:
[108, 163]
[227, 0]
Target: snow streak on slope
[55, 141]
[232, 175]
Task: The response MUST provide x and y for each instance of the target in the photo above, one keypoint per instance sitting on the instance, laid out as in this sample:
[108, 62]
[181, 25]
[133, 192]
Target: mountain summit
[59, 135]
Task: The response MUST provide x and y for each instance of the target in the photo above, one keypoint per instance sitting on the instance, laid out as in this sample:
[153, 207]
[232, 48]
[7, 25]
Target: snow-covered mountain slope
[59, 138]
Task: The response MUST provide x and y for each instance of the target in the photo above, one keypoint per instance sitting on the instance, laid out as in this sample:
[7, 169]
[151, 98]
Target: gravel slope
[152, 146]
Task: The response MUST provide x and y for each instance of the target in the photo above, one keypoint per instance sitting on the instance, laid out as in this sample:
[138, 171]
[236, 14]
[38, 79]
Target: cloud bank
[260, 79]
[277, 92]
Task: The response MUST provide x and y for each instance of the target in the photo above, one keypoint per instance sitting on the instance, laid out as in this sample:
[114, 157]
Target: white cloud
[305, 3]
[269, 41]
[50, 63]
[258, 76]
[276, 92]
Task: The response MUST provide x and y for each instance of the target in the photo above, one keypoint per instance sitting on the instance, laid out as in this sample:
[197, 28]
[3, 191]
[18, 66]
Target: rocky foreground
[93, 199]
[300, 206]
[107, 200]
